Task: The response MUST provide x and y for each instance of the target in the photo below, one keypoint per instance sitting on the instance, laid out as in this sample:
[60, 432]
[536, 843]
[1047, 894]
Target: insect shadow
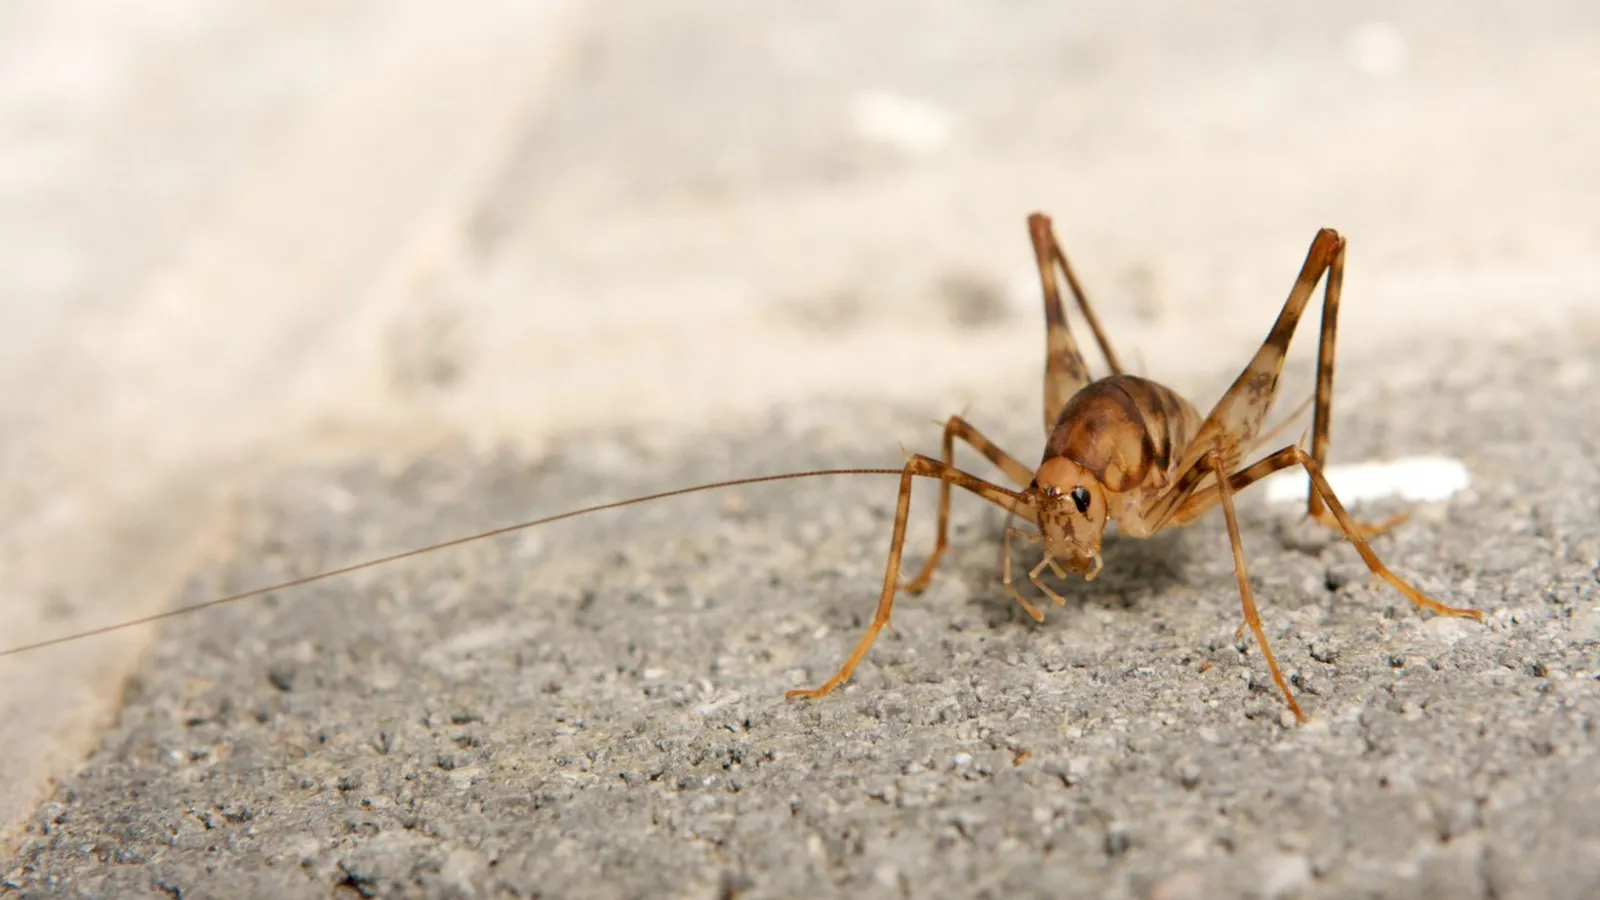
[1137, 573]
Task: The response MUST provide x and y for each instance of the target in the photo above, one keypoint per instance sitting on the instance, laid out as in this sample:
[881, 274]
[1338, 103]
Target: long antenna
[442, 545]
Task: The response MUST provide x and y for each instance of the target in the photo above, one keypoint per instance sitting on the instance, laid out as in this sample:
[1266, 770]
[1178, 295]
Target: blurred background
[234, 236]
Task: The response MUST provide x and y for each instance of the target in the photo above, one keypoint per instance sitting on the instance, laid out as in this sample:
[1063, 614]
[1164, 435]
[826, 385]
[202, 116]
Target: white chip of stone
[1416, 478]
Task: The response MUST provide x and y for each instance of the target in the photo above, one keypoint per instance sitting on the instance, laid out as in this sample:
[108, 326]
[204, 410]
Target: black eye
[1080, 498]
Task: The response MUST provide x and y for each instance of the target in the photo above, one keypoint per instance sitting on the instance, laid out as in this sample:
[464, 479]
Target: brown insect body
[1125, 449]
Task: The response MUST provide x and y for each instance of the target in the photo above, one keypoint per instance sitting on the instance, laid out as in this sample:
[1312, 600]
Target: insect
[1120, 449]
[1125, 449]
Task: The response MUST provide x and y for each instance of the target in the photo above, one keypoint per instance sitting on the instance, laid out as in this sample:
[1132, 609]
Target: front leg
[917, 466]
[957, 427]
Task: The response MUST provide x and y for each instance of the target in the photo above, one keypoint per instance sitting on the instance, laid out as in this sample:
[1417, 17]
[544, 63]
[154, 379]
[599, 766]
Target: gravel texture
[595, 708]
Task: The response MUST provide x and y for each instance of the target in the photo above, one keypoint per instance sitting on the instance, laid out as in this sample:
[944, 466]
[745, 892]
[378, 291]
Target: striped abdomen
[1127, 431]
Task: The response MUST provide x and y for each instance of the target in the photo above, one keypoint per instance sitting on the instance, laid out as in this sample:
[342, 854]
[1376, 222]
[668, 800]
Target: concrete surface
[249, 240]
[595, 709]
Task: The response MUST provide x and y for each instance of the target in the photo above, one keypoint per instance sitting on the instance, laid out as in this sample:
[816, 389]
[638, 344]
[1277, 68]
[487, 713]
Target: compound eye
[1080, 499]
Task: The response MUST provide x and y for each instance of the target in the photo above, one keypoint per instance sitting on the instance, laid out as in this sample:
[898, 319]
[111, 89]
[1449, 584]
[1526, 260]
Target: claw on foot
[924, 577]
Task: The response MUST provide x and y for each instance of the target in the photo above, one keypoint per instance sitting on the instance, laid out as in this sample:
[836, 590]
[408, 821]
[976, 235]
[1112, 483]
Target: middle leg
[1202, 500]
[1241, 570]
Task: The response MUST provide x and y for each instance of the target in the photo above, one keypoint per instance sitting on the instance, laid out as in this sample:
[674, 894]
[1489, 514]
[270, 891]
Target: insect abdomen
[1124, 430]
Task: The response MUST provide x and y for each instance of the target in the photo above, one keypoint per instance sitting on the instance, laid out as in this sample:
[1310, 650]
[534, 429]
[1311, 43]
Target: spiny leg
[1322, 415]
[1200, 502]
[916, 466]
[1247, 597]
[1039, 225]
[1230, 428]
[1186, 501]
[957, 427]
[1065, 372]
[1203, 500]
[1352, 530]
[1288, 420]
[1234, 424]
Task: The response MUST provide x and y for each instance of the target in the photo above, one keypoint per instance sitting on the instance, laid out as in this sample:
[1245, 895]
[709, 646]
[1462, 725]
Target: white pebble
[1415, 478]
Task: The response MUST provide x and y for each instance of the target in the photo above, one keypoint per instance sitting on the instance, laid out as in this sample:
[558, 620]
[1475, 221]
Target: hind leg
[1065, 372]
[1234, 424]
[1322, 415]
[1222, 492]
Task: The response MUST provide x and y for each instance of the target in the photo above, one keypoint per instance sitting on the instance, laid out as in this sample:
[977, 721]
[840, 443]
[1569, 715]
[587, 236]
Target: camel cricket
[1120, 449]
[1125, 449]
